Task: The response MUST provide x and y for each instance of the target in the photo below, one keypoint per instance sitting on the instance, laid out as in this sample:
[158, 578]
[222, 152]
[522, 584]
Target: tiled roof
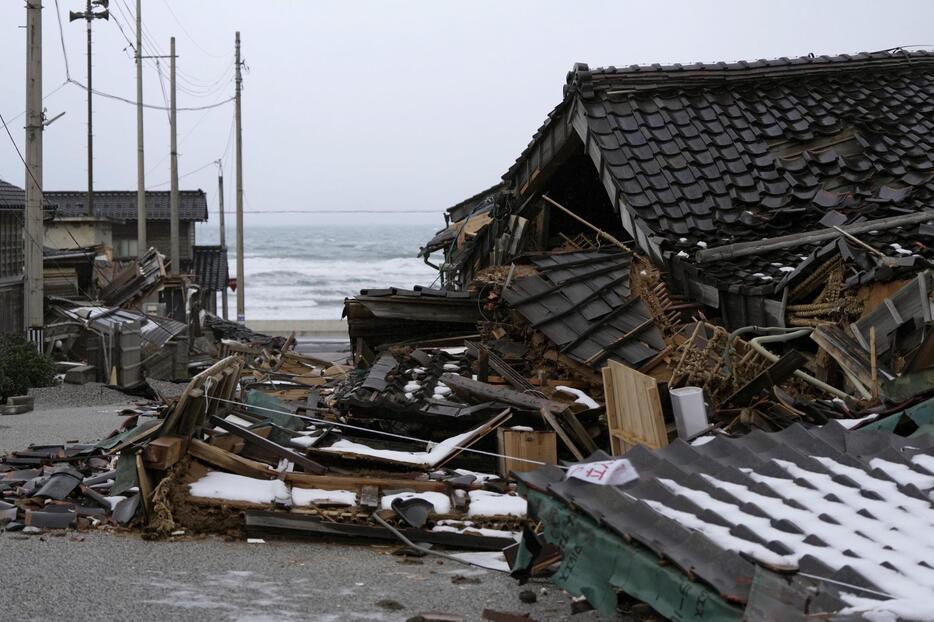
[703, 156]
[581, 301]
[14, 197]
[824, 506]
[121, 204]
[210, 267]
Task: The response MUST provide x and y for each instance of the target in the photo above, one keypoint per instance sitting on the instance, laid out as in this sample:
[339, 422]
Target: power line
[189, 173]
[187, 34]
[125, 100]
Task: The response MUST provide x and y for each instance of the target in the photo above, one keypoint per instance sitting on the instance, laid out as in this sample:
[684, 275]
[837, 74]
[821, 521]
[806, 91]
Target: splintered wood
[633, 409]
[710, 360]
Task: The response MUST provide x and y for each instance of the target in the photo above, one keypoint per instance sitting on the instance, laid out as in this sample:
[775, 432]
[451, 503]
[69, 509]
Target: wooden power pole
[89, 15]
[33, 295]
[175, 256]
[223, 237]
[241, 280]
[141, 246]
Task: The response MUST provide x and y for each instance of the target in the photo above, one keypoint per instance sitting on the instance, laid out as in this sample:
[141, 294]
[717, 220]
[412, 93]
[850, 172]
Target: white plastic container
[690, 411]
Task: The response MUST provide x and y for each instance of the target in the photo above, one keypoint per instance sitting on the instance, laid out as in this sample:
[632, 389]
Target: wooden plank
[215, 456]
[634, 410]
[276, 449]
[145, 485]
[583, 438]
[537, 445]
[350, 482]
[565, 437]
[609, 396]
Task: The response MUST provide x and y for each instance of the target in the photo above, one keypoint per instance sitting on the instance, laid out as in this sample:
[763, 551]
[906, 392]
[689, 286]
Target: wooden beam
[742, 249]
[220, 458]
[488, 392]
[275, 449]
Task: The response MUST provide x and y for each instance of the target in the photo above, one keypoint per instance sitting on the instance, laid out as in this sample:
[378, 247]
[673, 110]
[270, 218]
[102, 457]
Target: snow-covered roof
[846, 516]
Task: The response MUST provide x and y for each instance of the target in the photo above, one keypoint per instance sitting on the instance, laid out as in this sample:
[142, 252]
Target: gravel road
[118, 576]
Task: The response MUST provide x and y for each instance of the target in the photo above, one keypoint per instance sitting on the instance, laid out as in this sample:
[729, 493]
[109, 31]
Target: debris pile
[692, 329]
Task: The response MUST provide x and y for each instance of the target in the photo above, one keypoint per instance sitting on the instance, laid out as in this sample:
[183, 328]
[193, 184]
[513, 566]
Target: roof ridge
[585, 81]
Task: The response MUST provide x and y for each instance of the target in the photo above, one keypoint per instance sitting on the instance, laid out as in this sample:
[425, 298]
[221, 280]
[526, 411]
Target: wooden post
[874, 366]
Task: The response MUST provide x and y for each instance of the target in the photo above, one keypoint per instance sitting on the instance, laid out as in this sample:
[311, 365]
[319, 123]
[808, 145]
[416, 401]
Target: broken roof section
[725, 172]
[837, 512]
[581, 301]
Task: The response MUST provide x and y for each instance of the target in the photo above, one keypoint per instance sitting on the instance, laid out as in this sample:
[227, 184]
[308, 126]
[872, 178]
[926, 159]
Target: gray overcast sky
[382, 105]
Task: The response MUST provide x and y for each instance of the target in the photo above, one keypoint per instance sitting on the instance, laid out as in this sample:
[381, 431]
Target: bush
[22, 367]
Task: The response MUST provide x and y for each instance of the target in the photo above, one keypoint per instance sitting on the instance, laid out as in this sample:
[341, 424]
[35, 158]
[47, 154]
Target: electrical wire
[184, 175]
[187, 34]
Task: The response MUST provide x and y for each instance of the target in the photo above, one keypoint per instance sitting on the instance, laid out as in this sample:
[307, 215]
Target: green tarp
[597, 563]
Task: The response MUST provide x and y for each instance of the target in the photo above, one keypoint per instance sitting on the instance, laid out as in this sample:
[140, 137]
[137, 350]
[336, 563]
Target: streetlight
[89, 15]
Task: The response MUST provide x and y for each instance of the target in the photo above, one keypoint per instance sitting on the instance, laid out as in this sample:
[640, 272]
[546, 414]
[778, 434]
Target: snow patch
[487, 503]
[230, 487]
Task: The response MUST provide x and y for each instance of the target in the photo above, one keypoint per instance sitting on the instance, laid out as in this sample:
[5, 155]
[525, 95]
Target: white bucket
[690, 411]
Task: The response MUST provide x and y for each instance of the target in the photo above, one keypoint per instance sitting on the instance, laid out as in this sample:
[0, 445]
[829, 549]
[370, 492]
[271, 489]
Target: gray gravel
[90, 394]
[120, 577]
[166, 389]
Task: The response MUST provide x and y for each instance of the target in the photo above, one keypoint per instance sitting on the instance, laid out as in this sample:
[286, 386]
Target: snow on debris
[456, 526]
[883, 536]
[486, 503]
[230, 487]
[439, 500]
[316, 496]
[581, 397]
[431, 458]
[491, 560]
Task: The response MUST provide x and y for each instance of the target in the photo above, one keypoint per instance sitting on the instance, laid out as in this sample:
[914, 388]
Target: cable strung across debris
[380, 432]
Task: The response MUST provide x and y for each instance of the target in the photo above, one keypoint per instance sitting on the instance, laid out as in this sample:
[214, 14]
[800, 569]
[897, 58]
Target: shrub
[22, 367]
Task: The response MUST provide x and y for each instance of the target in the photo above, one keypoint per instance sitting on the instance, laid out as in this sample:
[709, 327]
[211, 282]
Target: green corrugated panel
[597, 563]
[922, 414]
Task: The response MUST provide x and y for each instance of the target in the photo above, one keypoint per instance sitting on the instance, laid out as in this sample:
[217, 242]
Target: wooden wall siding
[11, 308]
[633, 409]
[11, 244]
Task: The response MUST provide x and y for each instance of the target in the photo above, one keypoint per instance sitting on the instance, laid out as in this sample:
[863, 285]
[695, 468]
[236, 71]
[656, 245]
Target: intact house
[12, 255]
[751, 185]
[114, 222]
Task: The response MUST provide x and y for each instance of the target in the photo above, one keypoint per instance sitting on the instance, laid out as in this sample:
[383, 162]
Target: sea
[304, 271]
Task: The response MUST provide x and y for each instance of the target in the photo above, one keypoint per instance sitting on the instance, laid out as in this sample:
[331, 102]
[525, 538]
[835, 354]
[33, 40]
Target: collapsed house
[681, 355]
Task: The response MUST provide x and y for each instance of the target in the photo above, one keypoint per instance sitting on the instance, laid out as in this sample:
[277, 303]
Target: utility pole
[223, 238]
[90, 15]
[173, 195]
[33, 294]
[141, 246]
[241, 281]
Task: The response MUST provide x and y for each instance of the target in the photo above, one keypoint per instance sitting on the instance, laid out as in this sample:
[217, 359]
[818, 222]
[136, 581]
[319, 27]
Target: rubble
[766, 404]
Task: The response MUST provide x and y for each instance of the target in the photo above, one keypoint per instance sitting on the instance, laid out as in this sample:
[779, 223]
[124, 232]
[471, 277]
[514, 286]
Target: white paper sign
[604, 473]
